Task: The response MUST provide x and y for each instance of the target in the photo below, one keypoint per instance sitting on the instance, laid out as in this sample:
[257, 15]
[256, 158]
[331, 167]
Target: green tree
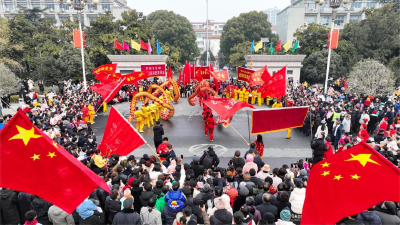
[312, 39]
[394, 65]
[236, 58]
[245, 28]
[8, 81]
[203, 58]
[70, 64]
[176, 32]
[6, 49]
[348, 53]
[314, 67]
[48, 70]
[371, 77]
[221, 60]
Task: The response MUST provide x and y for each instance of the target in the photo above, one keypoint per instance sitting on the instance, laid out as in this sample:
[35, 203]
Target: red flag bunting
[108, 91]
[270, 120]
[244, 74]
[225, 107]
[278, 46]
[180, 77]
[116, 135]
[256, 77]
[132, 78]
[220, 75]
[354, 169]
[169, 73]
[118, 45]
[143, 45]
[106, 68]
[44, 168]
[105, 77]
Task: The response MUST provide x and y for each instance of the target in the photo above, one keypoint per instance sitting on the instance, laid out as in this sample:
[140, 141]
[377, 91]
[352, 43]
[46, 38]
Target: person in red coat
[383, 125]
[328, 148]
[162, 148]
[85, 113]
[210, 123]
[392, 130]
[363, 134]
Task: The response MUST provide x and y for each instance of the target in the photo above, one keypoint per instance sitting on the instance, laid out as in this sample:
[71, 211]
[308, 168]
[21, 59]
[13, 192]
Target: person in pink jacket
[249, 164]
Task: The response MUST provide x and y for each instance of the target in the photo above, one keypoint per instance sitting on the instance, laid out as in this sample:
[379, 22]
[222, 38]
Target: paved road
[185, 131]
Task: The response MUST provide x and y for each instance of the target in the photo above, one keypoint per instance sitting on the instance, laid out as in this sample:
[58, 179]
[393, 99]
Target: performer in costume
[241, 94]
[145, 111]
[253, 96]
[278, 104]
[139, 120]
[153, 112]
[85, 113]
[91, 112]
[157, 113]
[246, 96]
[140, 90]
[259, 145]
[104, 106]
[259, 99]
[162, 148]
[236, 94]
[210, 123]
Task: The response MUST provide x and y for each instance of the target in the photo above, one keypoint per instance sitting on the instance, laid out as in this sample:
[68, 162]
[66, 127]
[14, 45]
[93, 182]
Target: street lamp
[334, 4]
[79, 6]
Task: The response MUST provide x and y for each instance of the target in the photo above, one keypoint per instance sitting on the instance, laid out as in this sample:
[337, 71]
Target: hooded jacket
[238, 162]
[158, 132]
[126, 216]
[145, 196]
[41, 207]
[369, 218]
[296, 199]
[86, 209]
[9, 207]
[175, 200]
[221, 217]
[59, 217]
[250, 164]
[24, 203]
[112, 207]
[212, 154]
[153, 217]
[136, 193]
[168, 216]
[319, 147]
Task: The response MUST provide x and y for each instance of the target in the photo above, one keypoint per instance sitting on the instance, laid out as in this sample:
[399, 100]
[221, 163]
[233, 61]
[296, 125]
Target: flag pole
[153, 152]
[248, 123]
[239, 134]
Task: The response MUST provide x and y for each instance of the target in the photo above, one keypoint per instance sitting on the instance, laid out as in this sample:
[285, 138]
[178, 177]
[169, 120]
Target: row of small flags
[137, 46]
[255, 48]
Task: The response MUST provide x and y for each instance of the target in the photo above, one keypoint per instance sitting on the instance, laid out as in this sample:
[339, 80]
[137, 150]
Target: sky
[195, 10]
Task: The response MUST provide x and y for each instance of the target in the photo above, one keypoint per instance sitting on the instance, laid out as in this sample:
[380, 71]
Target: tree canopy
[176, 32]
[244, 28]
[203, 58]
[8, 81]
[312, 39]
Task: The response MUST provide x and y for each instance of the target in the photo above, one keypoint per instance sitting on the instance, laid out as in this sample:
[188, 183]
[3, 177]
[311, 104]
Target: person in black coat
[158, 131]
[9, 213]
[42, 208]
[170, 155]
[96, 218]
[241, 199]
[267, 207]
[197, 168]
[380, 136]
[127, 215]
[211, 153]
[318, 147]
[113, 206]
[390, 116]
[146, 194]
[24, 203]
[282, 201]
[373, 122]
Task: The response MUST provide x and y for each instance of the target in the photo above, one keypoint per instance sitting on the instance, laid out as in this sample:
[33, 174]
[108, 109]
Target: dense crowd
[246, 191]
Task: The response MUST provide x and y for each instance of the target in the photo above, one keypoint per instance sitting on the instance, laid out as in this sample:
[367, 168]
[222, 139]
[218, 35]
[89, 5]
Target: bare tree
[370, 77]
[8, 81]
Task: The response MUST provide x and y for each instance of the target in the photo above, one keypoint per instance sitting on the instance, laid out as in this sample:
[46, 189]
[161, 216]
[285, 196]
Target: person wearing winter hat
[221, 214]
[249, 164]
[127, 194]
[302, 174]
[241, 199]
[31, 216]
[285, 216]
[175, 199]
[387, 213]
[59, 217]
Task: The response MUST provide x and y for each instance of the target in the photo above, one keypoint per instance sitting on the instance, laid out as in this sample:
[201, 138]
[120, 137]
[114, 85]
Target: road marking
[200, 148]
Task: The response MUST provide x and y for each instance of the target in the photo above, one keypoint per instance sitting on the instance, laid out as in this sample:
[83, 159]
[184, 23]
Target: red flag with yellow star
[32, 162]
[340, 186]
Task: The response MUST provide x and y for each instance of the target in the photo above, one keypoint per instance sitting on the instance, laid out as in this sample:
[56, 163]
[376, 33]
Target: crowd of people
[161, 189]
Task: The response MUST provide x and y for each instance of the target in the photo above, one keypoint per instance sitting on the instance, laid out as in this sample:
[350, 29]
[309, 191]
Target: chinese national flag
[120, 137]
[105, 77]
[143, 45]
[117, 45]
[225, 107]
[106, 68]
[32, 162]
[335, 39]
[353, 169]
[108, 91]
[132, 78]
[264, 121]
[275, 87]
[220, 75]
[77, 38]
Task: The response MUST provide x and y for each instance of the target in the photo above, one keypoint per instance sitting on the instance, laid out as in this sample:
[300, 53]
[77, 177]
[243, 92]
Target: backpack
[208, 161]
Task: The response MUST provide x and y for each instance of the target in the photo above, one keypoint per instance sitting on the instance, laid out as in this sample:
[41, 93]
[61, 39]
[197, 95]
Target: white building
[59, 12]
[303, 12]
[272, 15]
[214, 35]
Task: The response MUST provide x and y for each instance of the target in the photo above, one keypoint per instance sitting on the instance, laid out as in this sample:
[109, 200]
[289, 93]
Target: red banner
[107, 68]
[106, 78]
[120, 137]
[108, 91]
[256, 77]
[154, 70]
[134, 77]
[204, 71]
[270, 120]
[275, 87]
[244, 74]
[220, 75]
[225, 107]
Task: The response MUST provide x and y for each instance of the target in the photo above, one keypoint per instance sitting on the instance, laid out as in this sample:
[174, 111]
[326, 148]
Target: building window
[290, 72]
[221, 26]
[311, 5]
[35, 5]
[90, 6]
[62, 18]
[49, 5]
[310, 19]
[339, 20]
[23, 5]
[324, 20]
[371, 4]
[64, 6]
[106, 7]
[354, 18]
[9, 6]
[356, 5]
[126, 71]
